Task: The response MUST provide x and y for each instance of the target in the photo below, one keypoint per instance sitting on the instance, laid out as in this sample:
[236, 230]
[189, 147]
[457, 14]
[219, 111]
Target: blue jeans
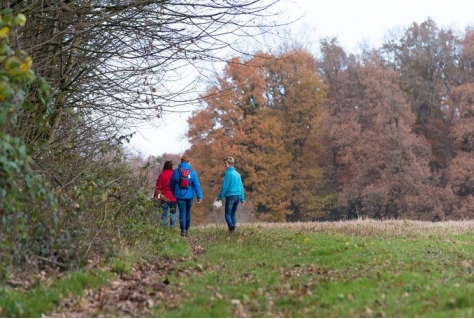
[171, 206]
[231, 204]
[184, 206]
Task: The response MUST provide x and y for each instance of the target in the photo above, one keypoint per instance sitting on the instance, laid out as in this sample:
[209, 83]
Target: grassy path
[343, 269]
[349, 269]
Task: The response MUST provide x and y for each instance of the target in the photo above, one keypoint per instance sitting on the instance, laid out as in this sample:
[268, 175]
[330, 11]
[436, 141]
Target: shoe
[183, 233]
[232, 229]
[186, 234]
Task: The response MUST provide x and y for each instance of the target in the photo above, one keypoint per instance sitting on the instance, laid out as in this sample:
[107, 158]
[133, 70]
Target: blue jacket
[187, 193]
[232, 185]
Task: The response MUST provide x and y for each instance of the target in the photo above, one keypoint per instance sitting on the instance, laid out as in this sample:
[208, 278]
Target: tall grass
[371, 227]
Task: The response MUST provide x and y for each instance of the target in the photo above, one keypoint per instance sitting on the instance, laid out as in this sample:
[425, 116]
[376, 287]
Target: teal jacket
[232, 185]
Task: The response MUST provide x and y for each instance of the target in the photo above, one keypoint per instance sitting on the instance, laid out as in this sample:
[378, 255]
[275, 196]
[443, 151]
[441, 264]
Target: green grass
[163, 242]
[342, 269]
[274, 272]
[38, 300]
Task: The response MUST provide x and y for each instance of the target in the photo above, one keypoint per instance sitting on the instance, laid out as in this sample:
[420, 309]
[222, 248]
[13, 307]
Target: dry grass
[372, 228]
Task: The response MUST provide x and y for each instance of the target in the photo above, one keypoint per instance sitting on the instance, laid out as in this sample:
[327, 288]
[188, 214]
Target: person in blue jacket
[233, 191]
[185, 196]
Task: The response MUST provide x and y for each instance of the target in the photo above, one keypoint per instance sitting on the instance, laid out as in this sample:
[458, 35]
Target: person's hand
[242, 202]
[199, 201]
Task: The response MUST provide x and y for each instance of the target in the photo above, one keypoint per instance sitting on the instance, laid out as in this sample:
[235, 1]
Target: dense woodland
[386, 133]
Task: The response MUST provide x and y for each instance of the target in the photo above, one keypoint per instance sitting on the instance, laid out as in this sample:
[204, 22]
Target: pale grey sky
[351, 21]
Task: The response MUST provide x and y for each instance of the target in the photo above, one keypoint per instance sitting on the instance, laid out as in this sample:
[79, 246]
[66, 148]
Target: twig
[51, 261]
[90, 244]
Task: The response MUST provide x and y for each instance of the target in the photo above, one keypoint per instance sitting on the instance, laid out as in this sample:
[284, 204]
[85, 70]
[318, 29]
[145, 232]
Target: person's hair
[229, 160]
[184, 159]
[168, 165]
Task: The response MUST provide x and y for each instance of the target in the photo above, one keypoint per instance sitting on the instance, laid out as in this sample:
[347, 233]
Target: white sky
[351, 21]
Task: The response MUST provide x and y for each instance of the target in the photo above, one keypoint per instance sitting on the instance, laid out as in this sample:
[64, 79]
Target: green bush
[70, 203]
[28, 210]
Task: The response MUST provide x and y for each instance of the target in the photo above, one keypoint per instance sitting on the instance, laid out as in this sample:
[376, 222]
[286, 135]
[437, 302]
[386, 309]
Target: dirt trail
[128, 295]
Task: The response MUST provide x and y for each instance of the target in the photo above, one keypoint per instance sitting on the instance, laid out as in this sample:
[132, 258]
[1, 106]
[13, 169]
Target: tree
[27, 205]
[382, 165]
[267, 111]
[116, 61]
[339, 130]
[236, 121]
[436, 74]
[298, 95]
[461, 168]
[428, 60]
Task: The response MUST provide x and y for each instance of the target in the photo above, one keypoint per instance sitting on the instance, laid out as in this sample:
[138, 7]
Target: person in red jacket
[165, 196]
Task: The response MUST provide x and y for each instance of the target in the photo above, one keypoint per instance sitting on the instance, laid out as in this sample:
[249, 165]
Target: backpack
[184, 178]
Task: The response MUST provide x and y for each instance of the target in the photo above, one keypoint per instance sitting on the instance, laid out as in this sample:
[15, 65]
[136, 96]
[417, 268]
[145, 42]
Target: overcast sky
[352, 21]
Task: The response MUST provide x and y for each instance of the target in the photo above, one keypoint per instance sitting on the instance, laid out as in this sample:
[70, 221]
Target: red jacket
[162, 185]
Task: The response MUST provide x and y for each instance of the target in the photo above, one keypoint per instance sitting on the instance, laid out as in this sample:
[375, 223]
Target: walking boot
[232, 229]
[183, 233]
[186, 233]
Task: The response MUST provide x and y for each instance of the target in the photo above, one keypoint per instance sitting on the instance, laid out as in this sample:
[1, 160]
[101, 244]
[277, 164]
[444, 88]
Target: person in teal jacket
[185, 196]
[233, 191]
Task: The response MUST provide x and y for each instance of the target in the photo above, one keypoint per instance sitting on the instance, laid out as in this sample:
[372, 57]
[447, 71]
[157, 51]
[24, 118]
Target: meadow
[360, 268]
